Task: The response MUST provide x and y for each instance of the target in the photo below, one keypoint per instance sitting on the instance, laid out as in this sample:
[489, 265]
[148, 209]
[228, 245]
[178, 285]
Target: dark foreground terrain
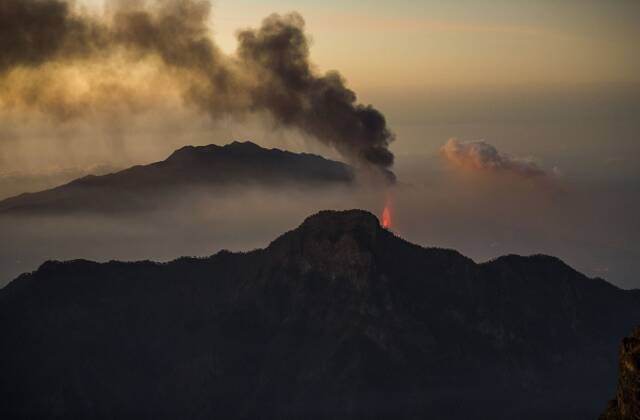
[626, 404]
[336, 319]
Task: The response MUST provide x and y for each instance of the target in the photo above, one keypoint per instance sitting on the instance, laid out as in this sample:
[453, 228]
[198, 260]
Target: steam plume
[270, 72]
[482, 156]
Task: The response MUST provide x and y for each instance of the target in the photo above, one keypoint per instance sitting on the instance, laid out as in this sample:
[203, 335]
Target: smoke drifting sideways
[270, 73]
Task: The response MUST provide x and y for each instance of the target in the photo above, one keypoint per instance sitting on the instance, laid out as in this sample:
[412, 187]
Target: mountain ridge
[211, 166]
[338, 318]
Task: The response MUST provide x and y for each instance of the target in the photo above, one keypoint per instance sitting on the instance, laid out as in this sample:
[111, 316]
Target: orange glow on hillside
[386, 218]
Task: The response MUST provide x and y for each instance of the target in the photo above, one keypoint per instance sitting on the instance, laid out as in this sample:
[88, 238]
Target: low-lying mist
[483, 214]
[197, 223]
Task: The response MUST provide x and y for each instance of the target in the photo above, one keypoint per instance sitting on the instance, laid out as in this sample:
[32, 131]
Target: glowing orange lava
[386, 218]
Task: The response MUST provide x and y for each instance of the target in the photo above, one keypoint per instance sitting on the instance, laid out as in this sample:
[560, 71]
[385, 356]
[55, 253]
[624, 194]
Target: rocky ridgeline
[626, 405]
[338, 318]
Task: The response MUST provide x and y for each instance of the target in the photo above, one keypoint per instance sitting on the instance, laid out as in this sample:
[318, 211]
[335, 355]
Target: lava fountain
[385, 220]
[386, 217]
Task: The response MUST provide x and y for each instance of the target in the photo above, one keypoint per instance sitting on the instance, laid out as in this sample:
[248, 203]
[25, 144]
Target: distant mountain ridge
[212, 166]
[336, 319]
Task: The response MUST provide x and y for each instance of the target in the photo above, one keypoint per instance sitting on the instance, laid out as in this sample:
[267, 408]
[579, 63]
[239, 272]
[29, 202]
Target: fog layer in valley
[468, 204]
[558, 179]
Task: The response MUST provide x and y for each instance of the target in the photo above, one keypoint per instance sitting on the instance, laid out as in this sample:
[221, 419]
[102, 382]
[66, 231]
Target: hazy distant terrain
[587, 220]
[214, 168]
[197, 201]
[67, 113]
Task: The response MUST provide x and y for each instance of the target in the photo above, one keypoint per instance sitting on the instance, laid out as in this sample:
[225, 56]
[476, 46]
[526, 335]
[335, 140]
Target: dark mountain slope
[190, 167]
[336, 319]
[626, 405]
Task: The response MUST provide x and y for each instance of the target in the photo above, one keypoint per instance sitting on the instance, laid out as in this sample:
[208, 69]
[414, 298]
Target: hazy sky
[392, 44]
[549, 88]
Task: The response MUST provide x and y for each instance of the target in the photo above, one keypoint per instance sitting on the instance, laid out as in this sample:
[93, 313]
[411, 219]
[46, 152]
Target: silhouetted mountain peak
[331, 224]
[237, 163]
[338, 318]
[235, 148]
[337, 237]
[241, 147]
[193, 151]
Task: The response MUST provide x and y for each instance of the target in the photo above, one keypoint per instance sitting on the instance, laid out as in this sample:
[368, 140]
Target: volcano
[200, 168]
[338, 318]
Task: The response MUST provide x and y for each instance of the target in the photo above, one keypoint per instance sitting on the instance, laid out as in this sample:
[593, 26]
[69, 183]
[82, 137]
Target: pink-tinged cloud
[480, 156]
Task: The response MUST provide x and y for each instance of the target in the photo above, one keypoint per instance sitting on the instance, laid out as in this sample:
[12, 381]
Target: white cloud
[480, 156]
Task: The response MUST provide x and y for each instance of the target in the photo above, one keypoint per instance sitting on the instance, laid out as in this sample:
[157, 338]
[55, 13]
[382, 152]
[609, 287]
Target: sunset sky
[419, 44]
[325, 209]
[547, 92]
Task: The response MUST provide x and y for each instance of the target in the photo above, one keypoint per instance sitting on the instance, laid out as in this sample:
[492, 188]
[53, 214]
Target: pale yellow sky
[409, 44]
[396, 52]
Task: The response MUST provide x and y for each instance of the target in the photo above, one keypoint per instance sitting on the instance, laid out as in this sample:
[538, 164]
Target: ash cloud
[270, 73]
[320, 105]
[480, 156]
[35, 31]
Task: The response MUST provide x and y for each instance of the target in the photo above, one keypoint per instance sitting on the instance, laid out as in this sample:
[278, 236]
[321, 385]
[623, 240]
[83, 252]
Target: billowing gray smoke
[35, 31]
[322, 106]
[269, 73]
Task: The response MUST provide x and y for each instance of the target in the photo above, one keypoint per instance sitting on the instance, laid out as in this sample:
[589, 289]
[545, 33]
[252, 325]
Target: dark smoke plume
[35, 31]
[322, 106]
[271, 71]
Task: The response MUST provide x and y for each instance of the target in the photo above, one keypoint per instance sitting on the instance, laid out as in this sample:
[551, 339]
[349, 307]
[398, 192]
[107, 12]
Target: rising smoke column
[322, 106]
[271, 71]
